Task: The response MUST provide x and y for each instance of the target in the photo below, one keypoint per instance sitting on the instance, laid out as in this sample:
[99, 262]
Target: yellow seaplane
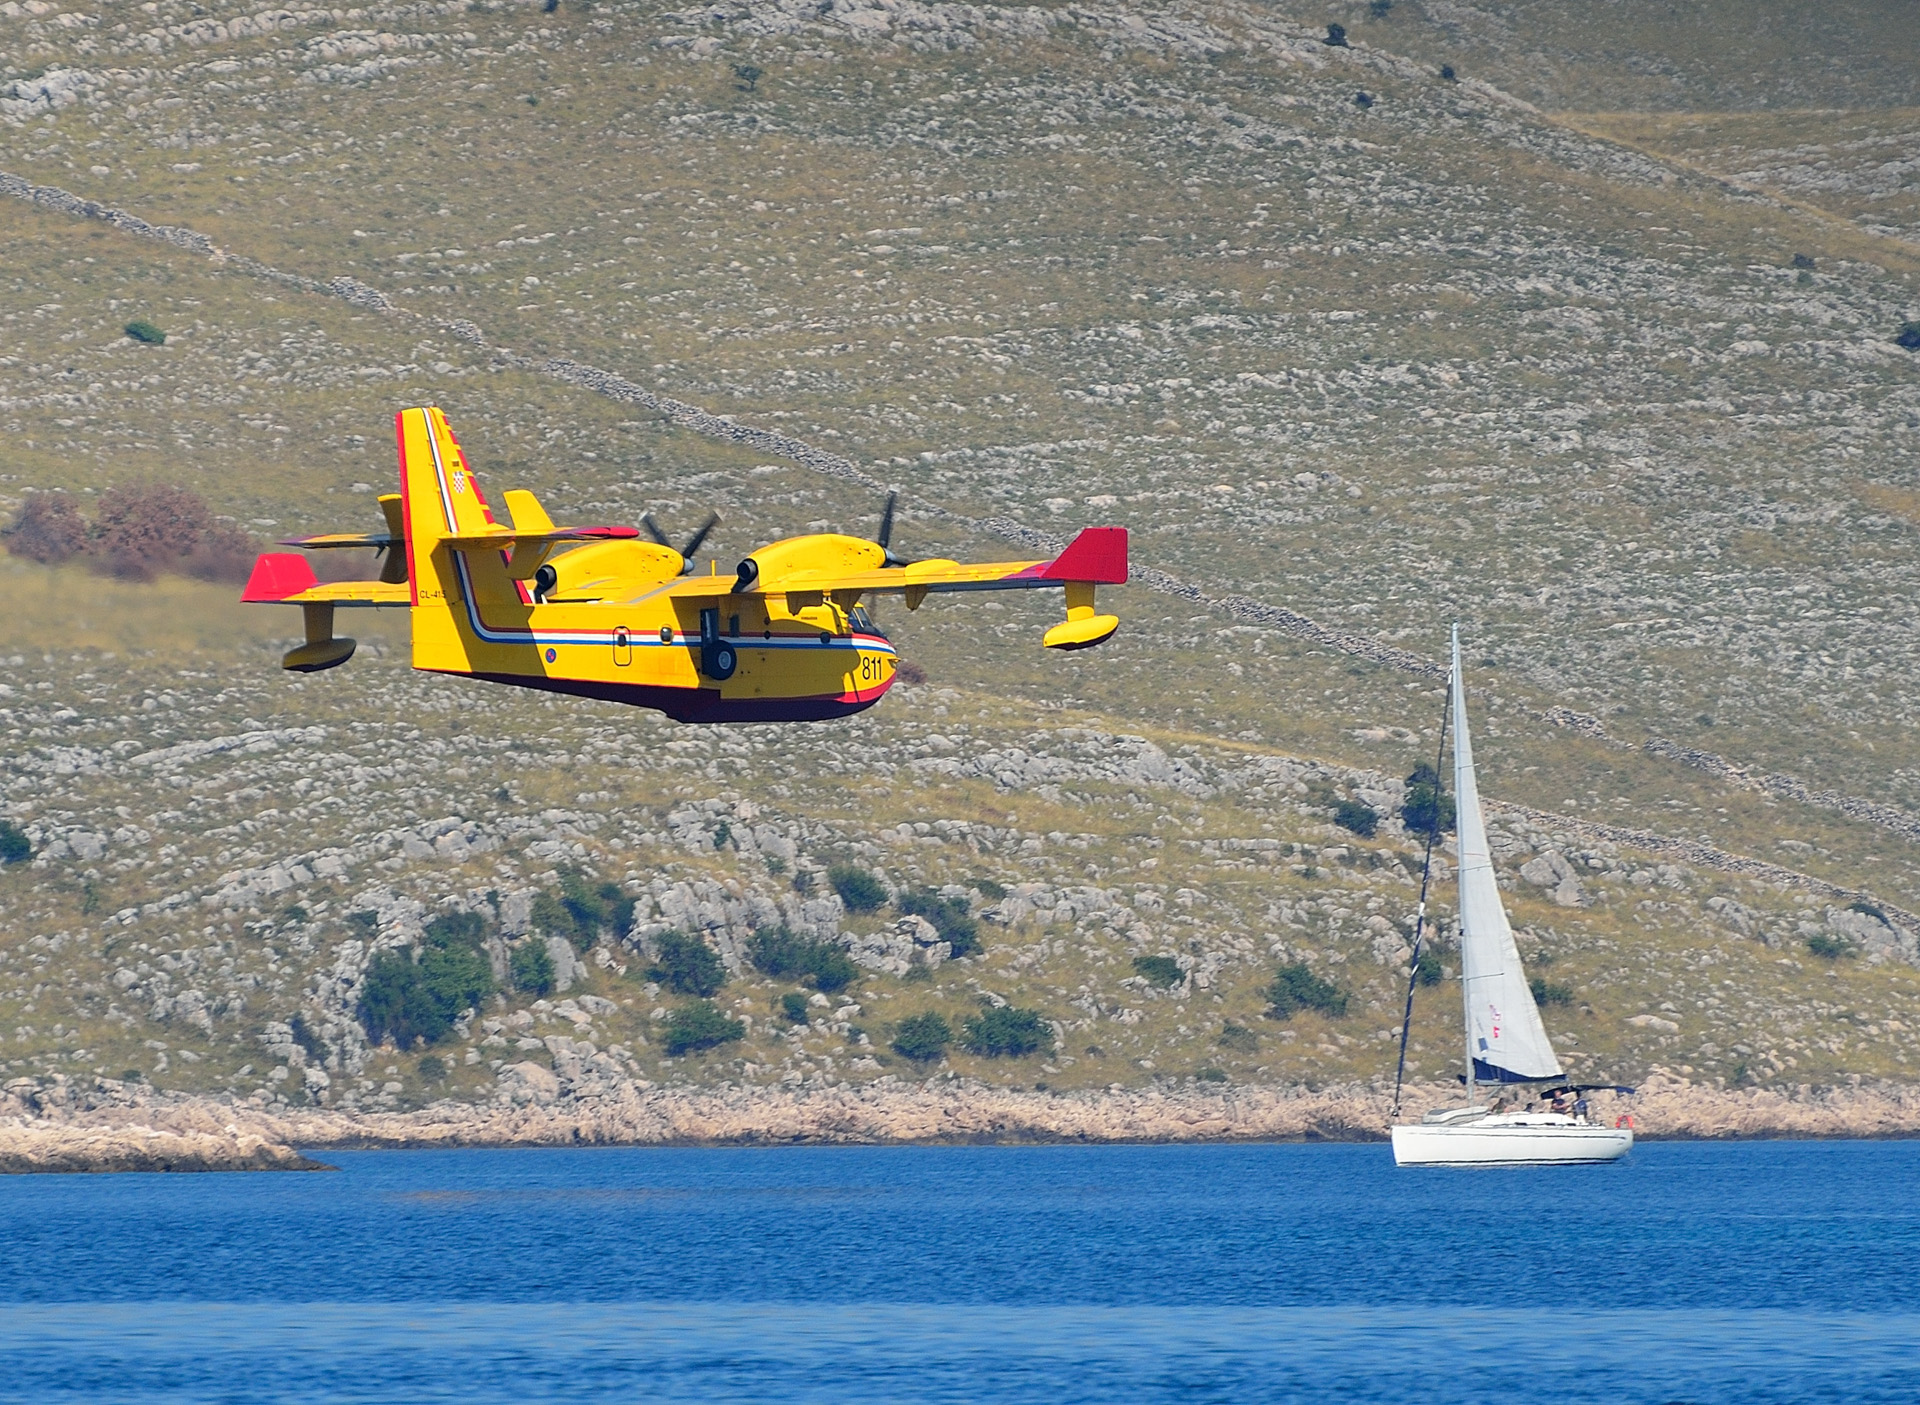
[601, 612]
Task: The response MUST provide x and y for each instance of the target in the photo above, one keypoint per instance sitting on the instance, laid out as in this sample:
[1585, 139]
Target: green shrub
[1829, 948]
[1238, 1036]
[858, 889]
[1426, 809]
[1428, 971]
[700, 1025]
[722, 832]
[794, 1006]
[989, 889]
[1212, 1075]
[15, 847]
[949, 917]
[1909, 337]
[145, 332]
[406, 998]
[1357, 816]
[778, 952]
[1007, 1031]
[1160, 970]
[433, 1068]
[922, 1038]
[304, 1036]
[531, 967]
[687, 965]
[580, 909]
[1296, 988]
[1545, 992]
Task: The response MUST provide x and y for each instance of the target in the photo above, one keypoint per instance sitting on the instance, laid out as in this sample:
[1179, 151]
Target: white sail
[1505, 1038]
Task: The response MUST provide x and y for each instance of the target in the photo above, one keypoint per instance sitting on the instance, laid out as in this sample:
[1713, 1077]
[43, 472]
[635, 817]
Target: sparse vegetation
[858, 889]
[1546, 992]
[949, 917]
[581, 910]
[1160, 970]
[1238, 1038]
[1007, 1032]
[1829, 948]
[1357, 817]
[687, 965]
[700, 1025]
[531, 967]
[1295, 988]
[923, 1037]
[776, 951]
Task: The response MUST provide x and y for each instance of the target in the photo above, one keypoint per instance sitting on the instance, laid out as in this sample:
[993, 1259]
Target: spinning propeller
[693, 542]
[886, 533]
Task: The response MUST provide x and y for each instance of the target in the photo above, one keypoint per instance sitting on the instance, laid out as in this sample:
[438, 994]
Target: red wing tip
[1098, 556]
[277, 575]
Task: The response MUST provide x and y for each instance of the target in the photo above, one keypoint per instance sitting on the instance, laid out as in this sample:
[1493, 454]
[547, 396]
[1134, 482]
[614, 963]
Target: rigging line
[1420, 920]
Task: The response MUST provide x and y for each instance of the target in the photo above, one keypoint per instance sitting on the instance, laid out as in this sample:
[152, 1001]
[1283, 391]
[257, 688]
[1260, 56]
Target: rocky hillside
[1354, 348]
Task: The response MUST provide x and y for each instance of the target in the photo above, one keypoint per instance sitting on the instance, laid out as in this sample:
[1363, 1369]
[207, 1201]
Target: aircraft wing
[282, 578]
[1097, 556]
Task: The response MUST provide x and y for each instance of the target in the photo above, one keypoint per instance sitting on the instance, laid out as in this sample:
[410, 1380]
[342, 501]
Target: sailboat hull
[1510, 1144]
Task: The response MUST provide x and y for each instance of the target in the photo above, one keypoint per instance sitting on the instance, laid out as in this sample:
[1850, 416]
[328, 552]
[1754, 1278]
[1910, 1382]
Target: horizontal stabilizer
[500, 538]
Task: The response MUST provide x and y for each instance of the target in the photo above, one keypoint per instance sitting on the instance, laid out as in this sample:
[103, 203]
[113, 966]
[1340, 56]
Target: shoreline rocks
[103, 1133]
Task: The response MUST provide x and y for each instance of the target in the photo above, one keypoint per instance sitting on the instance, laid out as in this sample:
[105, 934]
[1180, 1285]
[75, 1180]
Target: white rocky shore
[112, 1128]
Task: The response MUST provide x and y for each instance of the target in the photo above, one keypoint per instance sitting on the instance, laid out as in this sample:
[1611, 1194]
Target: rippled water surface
[1756, 1272]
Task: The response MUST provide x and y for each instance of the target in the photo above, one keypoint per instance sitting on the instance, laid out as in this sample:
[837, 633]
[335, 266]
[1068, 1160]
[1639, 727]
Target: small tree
[687, 965]
[949, 917]
[1006, 1031]
[15, 847]
[1426, 809]
[1159, 970]
[531, 967]
[748, 76]
[701, 1025]
[922, 1038]
[858, 889]
[794, 1006]
[1357, 816]
[1428, 971]
[1295, 988]
[1909, 337]
[1336, 36]
[407, 996]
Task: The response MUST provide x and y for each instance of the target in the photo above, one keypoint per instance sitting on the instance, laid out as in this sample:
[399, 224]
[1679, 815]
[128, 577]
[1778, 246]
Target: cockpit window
[862, 621]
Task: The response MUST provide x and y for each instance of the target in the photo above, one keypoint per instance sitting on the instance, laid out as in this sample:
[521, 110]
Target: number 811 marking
[874, 667]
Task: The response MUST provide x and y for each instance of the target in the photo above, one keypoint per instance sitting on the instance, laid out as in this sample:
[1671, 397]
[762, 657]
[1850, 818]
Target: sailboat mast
[1458, 693]
[1420, 919]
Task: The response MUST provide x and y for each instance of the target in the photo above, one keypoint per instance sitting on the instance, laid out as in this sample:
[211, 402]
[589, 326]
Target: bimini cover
[1505, 1038]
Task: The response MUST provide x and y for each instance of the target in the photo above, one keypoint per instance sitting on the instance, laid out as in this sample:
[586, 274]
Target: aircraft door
[622, 647]
[717, 656]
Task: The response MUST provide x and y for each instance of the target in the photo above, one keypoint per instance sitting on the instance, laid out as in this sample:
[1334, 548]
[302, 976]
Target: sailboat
[1506, 1042]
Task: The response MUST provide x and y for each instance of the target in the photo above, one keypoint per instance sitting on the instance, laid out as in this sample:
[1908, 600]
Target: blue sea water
[1747, 1272]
